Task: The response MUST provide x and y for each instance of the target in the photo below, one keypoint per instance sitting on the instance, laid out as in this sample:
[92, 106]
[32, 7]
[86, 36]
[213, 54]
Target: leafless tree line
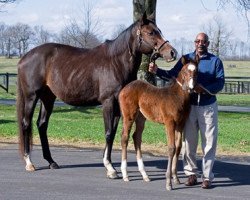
[85, 32]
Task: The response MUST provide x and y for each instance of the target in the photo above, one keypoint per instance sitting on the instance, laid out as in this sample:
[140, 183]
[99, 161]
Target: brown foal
[169, 105]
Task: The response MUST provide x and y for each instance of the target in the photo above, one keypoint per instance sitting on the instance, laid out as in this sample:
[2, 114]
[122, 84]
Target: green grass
[77, 125]
[8, 65]
[81, 125]
[234, 99]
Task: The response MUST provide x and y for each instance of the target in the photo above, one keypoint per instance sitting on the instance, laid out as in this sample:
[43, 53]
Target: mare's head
[151, 41]
[187, 77]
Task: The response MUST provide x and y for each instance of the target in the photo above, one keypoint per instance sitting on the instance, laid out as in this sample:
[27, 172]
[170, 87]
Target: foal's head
[187, 77]
[151, 41]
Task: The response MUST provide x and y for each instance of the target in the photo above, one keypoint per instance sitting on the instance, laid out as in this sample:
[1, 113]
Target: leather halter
[156, 51]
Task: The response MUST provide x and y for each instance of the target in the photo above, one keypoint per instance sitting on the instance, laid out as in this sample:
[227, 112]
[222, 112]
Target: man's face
[201, 44]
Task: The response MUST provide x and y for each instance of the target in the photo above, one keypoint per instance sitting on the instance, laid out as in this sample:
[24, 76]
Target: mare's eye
[151, 33]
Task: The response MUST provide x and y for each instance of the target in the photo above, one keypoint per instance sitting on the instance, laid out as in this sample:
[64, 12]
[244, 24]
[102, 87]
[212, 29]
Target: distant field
[8, 65]
[232, 68]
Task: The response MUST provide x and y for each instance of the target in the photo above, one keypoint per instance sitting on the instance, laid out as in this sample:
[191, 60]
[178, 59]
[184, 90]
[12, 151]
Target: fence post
[7, 82]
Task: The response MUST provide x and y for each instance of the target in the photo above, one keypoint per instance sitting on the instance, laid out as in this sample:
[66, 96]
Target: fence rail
[233, 84]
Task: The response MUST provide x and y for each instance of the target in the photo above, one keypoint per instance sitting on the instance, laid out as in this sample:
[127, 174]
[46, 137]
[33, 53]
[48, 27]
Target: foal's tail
[20, 107]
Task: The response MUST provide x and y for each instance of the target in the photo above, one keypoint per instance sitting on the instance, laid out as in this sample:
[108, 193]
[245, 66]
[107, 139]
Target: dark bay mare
[81, 77]
[169, 105]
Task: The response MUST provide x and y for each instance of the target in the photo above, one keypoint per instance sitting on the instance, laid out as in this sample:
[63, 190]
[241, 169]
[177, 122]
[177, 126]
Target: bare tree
[117, 30]
[219, 36]
[5, 2]
[41, 35]
[3, 28]
[21, 35]
[241, 6]
[84, 33]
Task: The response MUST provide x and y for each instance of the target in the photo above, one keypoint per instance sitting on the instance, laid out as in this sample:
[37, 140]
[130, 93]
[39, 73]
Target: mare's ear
[144, 20]
[152, 17]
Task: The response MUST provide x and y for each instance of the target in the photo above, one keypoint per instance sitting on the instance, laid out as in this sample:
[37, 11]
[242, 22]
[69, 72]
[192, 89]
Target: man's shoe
[192, 180]
[206, 184]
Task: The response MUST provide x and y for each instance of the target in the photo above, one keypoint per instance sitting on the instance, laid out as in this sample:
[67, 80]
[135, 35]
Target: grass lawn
[78, 126]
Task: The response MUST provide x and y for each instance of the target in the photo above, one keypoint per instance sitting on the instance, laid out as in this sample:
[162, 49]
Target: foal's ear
[184, 60]
[197, 59]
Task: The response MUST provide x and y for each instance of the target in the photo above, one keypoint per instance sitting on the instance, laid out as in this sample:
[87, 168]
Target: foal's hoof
[177, 181]
[54, 165]
[112, 175]
[126, 179]
[30, 168]
[169, 187]
[146, 179]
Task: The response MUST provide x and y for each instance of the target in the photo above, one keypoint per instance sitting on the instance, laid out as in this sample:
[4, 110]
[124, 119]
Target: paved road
[82, 176]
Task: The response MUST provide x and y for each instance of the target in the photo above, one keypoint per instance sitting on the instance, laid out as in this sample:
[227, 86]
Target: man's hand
[199, 89]
[152, 68]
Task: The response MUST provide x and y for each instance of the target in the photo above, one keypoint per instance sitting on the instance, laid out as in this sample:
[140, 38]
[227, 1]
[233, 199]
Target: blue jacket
[210, 75]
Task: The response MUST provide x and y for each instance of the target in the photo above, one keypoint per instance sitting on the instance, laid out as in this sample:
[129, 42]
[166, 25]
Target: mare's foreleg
[111, 115]
[170, 131]
[137, 137]
[42, 125]
[178, 144]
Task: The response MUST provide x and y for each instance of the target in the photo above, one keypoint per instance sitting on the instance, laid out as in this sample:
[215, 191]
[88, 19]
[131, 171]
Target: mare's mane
[121, 43]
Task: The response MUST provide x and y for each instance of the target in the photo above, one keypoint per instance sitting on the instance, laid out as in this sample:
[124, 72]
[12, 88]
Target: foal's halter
[184, 86]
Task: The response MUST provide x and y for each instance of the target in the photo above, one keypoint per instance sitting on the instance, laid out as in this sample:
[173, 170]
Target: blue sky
[176, 19]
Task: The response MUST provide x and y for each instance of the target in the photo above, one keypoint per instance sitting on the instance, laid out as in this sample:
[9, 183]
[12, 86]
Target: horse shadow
[226, 173]
[3, 121]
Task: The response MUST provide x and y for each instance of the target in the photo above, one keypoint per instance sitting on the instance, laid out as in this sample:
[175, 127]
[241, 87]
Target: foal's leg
[111, 119]
[137, 137]
[170, 131]
[127, 125]
[47, 102]
[29, 108]
[178, 144]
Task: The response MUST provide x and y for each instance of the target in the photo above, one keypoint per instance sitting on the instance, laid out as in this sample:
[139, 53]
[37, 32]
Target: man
[203, 116]
[139, 7]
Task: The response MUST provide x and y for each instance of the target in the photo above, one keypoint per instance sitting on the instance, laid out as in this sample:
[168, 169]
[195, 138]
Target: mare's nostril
[172, 54]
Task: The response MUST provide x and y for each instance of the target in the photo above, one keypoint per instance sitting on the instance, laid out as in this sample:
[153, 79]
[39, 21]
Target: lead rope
[207, 91]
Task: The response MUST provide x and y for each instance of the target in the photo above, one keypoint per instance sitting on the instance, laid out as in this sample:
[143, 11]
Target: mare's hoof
[112, 175]
[168, 187]
[54, 165]
[30, 168]
[146, 179]
[126, 179]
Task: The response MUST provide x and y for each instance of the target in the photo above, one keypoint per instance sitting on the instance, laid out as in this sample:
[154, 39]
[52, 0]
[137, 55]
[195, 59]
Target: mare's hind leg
[47, 102]
[111, 115]
[29, 108]
[137, 137]
[178, 144]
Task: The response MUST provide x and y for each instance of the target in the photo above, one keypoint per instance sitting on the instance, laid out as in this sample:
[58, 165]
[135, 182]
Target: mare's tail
[20, 108]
